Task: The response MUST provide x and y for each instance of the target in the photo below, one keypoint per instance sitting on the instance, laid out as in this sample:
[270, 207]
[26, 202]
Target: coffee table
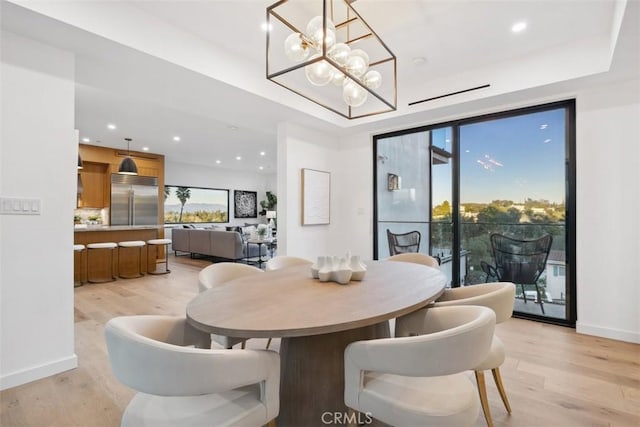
[259, 243]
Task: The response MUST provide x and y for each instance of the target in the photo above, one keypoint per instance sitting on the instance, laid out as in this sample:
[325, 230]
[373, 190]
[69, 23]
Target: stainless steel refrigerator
[134, 200]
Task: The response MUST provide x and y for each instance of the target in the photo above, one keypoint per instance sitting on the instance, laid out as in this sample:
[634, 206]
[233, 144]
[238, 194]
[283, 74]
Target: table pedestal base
[312, 375]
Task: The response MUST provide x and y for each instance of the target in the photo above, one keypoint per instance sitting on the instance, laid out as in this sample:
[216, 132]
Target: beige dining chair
[180, 383]
[417, 378]
[416, 258]
[217, 274]
[284, 261]
[500, 298]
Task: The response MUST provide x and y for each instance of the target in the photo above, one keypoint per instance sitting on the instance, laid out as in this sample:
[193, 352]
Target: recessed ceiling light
[419, 60]
[176, 138]
[86, 140]
[262, 153]
[238, 158]
[145, 148]
[111, 126]
[544, 126]
[266, 26]
[546, 141]
[519, 26]
[232, 127]
[261, 167]
[218, 162]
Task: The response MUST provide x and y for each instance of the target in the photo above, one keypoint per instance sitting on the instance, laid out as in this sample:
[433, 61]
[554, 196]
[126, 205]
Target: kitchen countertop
[83, 227]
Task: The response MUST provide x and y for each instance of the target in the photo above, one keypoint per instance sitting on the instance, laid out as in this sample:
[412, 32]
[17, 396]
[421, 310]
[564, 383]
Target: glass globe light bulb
[338, 78]
[339, 53]
[318, 73]
[315, 32]
[295, 49]
[353, 94]
[372, 80]
[357, 62]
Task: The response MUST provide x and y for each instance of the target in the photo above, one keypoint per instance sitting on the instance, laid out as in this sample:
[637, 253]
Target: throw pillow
[248, 231]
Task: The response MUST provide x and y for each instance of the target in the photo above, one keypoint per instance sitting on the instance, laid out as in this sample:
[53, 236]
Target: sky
[513, 158]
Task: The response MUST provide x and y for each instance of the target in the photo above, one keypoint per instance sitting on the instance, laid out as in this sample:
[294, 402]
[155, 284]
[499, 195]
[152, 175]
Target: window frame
[569, 105]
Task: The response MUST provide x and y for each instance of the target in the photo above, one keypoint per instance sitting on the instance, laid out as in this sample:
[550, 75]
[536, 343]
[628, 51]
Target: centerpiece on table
[340, 270]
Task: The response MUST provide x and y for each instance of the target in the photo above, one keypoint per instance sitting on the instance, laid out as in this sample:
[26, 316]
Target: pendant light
[128, 166]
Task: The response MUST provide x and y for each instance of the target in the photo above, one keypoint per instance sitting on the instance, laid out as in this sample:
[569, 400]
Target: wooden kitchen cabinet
[95, 185]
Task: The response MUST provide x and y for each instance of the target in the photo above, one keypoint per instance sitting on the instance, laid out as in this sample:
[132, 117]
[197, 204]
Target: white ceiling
[236, 113]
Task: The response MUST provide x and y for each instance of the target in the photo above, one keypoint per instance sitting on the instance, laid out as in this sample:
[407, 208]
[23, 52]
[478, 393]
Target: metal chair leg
[540, 298]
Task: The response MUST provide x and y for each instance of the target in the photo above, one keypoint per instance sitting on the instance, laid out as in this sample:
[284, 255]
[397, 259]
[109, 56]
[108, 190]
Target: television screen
[195, 204]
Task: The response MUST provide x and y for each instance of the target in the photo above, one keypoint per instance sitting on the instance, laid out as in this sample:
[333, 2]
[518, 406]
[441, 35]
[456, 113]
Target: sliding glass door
[509, 174]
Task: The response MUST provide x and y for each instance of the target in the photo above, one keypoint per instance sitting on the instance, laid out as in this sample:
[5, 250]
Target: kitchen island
[118, 233]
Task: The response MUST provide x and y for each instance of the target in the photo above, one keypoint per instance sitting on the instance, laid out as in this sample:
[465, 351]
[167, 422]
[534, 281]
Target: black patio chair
[403, 243]
[520, 261]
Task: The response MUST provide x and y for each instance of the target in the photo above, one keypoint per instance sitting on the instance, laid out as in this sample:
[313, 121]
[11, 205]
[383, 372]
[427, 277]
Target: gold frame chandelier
[325, 52]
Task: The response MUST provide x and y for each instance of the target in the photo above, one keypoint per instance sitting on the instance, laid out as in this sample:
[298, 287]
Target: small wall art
[316, 197]
[393, 182]
[245, 204]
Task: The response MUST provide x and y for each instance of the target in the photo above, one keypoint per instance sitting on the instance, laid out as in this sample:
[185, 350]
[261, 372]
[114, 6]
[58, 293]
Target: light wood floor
[553, 376]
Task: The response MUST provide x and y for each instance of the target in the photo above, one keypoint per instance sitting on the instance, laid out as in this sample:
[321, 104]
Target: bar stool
[155, 243]
[77, 266]
[92, 247]
[131, 244]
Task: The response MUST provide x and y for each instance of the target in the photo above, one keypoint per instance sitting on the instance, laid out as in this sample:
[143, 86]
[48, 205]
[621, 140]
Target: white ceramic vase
[315, 268]
[358, 268]
[324, 273]
[342, 272]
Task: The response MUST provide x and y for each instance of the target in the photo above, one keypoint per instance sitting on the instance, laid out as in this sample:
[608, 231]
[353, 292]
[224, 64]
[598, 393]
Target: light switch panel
[19, 206]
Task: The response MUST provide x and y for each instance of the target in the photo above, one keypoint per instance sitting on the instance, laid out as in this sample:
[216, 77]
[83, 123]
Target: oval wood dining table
[316, 321]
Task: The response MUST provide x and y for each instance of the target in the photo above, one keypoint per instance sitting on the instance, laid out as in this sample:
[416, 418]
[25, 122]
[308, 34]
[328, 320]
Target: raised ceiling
[195, 69]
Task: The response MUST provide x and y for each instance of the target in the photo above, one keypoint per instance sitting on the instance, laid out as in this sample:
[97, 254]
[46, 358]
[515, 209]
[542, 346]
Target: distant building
[555, 274]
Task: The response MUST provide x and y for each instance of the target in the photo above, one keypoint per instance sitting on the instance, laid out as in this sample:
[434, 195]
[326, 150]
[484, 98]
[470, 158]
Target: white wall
[212, 177]
[608, 202]
[38, 161]
[300, 148]
[355, 197]
[608, 193]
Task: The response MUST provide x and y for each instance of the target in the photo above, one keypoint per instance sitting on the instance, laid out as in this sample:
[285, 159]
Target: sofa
[216, 243]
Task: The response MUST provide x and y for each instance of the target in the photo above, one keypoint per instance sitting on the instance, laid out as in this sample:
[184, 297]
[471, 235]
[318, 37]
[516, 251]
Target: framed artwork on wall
[393, 182]
[245, 204]
[316, 197]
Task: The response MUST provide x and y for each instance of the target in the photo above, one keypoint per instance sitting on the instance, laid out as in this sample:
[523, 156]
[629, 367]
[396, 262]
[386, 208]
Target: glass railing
[476, 250]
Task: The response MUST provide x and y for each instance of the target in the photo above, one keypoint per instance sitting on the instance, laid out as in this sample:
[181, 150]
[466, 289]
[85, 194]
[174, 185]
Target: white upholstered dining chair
[417, 378]
[284, 261]
[416, 258]
[217, 274]
[182, 385]
[500, 298]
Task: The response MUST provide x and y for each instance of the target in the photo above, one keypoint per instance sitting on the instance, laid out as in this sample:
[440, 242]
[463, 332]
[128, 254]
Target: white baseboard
[614, 334]
[38, 372]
